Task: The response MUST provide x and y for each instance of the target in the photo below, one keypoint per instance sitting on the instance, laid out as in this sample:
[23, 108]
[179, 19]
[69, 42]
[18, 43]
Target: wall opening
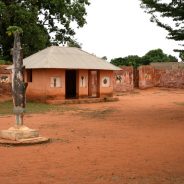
[70, 82]
[29, 75]
[136, 77]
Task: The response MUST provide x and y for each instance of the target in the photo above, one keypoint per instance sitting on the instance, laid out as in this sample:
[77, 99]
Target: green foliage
[13, 30]
[182, 55]
[35, 107]
[168, 15]
[156, 55]
[4, 62]
[104, 58]
[43, 22]
[74, 43]
[127, 61]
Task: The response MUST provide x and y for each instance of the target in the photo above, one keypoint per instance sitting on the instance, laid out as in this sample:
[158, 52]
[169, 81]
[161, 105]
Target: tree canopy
[132, 60]
[168, 15]
[74, 43]
[43, 22]
[156, 55]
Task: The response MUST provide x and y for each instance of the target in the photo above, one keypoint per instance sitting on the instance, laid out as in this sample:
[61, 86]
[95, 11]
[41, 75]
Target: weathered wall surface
[169, 78]
[123, 79]
[93, 83]
[5, 79]
[146, 77]
[5, 88]
[41, 86]
[105, 87]
[161, 75]
[82, 83]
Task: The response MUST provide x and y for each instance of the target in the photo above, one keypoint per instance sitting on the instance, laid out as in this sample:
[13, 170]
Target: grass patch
[35, 107]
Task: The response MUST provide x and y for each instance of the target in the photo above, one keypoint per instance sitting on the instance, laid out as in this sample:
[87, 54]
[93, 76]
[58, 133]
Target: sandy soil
[138, 140]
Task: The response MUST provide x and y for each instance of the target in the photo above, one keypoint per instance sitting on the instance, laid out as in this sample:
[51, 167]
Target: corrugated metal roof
[66, 58]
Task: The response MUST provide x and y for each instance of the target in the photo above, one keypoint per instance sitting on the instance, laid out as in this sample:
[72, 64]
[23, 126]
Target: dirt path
[138, 140]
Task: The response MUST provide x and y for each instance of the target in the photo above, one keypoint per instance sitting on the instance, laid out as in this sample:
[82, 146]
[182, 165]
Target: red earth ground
[137, 140]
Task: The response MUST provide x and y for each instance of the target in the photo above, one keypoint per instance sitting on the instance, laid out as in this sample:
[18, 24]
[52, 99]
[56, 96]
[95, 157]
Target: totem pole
[19, 134]
[18, 85]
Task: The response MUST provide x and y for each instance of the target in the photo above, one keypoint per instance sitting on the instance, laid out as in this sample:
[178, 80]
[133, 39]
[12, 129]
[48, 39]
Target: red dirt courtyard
[137, 140]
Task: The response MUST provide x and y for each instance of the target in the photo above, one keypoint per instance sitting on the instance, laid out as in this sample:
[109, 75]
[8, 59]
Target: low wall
[5, 79]
[123, 79]
[162, 75]
[146, 77]
[5, 88]
[169, 78]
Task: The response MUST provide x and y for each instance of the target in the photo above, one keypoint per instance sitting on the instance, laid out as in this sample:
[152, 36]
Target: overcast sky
[120, 28]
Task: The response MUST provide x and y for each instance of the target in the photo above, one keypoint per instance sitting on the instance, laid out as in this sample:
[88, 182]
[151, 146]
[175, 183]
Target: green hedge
[3, 62]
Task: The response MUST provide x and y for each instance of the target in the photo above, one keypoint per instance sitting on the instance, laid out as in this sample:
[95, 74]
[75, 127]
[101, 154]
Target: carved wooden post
[19, 134]
[18, 85]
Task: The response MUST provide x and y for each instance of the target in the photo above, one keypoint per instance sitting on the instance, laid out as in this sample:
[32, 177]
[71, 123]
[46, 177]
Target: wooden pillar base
[21, 134]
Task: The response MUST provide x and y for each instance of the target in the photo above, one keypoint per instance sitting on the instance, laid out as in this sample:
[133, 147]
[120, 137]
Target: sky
[118, 28]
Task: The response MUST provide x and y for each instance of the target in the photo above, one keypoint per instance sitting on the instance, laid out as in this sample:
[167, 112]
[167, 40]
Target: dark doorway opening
[136, 77]
[70, 84]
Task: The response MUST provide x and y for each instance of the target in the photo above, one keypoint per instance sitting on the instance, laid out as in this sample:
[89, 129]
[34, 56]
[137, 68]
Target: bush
[3, 62]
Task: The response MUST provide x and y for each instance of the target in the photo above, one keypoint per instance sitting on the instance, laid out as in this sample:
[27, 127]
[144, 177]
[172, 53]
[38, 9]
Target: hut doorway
[70, 84]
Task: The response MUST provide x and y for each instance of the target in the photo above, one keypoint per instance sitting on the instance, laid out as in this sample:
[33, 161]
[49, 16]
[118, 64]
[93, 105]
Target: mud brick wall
[162, 75]
[5, 79]
[123, 79]
[5, 89]
[5, 75]
[146, 77]
[172, 78]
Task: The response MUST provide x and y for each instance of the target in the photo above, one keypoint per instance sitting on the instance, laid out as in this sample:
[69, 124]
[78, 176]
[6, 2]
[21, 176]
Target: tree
[156, 55]
[104, 58]
[74, 43]
[43, 22]
[132, 60]
[182, 56]
[161, 11]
